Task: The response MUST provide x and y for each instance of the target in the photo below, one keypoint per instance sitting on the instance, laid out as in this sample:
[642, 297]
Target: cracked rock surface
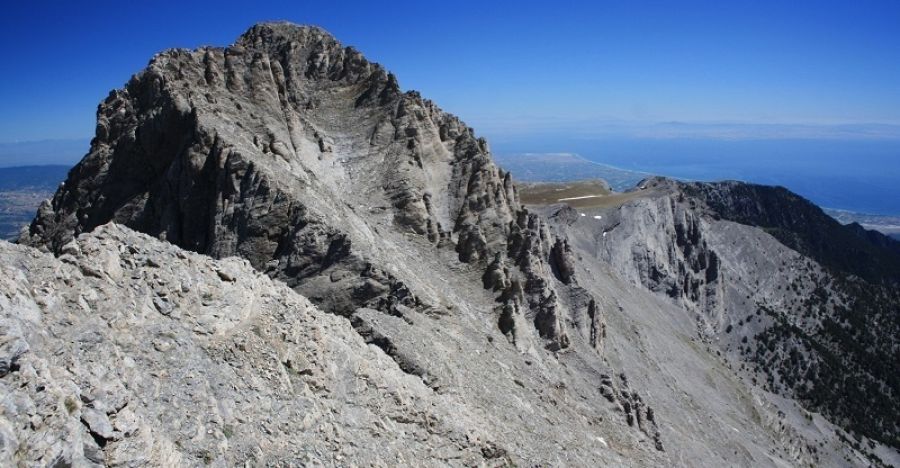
[234, 368]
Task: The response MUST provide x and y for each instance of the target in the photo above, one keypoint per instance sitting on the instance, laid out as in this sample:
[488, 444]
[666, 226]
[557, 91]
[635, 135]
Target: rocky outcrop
[129, 351]
[632, 406]
[659, 242]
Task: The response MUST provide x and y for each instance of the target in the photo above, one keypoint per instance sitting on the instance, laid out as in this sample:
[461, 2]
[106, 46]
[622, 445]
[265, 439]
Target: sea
[855, 175]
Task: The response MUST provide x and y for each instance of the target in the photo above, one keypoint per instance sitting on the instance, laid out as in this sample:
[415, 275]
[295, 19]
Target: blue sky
[503, 67]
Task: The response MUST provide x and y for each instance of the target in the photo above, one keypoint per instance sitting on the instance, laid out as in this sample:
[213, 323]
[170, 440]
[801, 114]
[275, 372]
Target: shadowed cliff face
[804, 227]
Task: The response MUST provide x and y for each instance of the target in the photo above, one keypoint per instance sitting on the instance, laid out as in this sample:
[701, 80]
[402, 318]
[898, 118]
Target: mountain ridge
[803, 226]
[802, 322]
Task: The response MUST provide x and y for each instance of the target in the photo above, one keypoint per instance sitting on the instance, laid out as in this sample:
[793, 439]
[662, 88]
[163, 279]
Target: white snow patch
[582, 214]
[580, 198]
[598, 217]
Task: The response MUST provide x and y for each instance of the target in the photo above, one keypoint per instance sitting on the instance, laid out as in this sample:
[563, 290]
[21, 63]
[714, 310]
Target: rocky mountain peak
[302, 156]
[281, 32]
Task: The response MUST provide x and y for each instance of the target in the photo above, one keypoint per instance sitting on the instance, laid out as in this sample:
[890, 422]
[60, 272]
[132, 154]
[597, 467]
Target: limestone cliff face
[662, 243]
[773, 282]
[300, 155]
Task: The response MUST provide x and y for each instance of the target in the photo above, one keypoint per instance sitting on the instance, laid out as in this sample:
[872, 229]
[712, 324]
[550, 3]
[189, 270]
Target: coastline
[567, 166]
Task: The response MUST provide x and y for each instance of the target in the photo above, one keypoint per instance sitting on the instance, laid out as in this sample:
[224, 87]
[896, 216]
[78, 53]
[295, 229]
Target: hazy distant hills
[563, 167]
[889, 225]
[22, 189]
[32, 177]
[30, 172]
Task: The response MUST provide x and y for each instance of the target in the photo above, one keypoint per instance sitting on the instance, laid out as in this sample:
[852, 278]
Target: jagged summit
[285, 148]
[274, 34]
[283, 29]
[277, 36]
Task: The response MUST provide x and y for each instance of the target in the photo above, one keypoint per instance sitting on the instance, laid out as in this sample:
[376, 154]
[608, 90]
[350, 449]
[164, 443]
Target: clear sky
[503, 67]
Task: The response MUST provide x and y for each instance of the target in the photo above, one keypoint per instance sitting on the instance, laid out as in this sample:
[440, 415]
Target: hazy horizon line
[711, 130]
[663, 129]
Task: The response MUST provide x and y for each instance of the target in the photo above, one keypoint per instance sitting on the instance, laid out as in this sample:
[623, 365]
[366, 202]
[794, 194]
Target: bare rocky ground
[127, 351]
[755, 307]
[446, 323]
